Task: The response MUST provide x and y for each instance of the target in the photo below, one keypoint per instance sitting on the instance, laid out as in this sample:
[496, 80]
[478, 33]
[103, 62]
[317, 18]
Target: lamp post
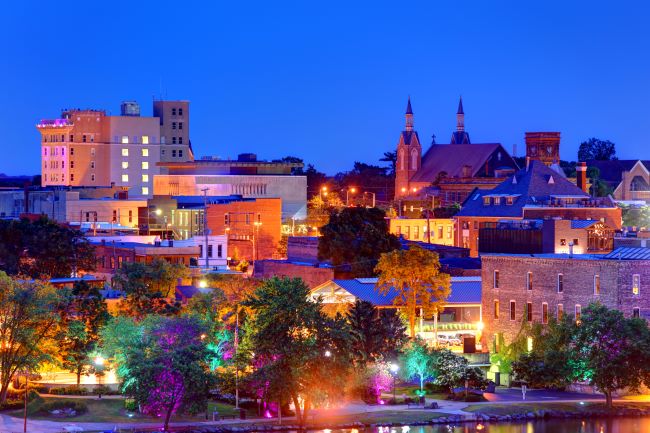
[373, 197]
[99, 370]
[394, 368]
[323, 191]
[347, 195]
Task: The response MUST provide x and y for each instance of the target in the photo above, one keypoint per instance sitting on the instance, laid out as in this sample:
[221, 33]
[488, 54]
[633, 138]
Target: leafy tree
[415, 276]
[594, 148]
[636, 216]
[84, 314]
[390, 157]
[418, 361]
[599, 188]
[149, 288]
[43, 248]
[29, 327]
[320, 207]
[452, 371]
[357, 237]
[299, 351]
[374, 334]
[162, 363]
[611, 351]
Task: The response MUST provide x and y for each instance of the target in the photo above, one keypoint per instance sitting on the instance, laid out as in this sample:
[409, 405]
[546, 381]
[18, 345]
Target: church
[448, 172]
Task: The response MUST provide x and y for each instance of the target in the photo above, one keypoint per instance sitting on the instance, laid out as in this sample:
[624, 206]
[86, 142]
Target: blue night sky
[328, 81]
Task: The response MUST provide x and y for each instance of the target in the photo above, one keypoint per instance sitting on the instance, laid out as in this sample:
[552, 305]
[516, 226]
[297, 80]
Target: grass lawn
[112, 410]
[522, 408]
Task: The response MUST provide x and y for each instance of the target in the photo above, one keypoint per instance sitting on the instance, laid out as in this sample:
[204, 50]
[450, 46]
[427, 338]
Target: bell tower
[409, 155]
[543, 146]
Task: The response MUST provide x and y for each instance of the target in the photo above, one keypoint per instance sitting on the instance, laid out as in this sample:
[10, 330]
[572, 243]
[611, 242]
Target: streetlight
[347, 195]
[328, 353]
[99, 370]
[203, 284]
[323, 191]
[373, 197]
[394, 368]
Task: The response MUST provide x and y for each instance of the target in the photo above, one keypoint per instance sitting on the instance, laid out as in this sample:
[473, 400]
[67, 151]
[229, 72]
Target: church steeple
[460, 116]
[409, 116]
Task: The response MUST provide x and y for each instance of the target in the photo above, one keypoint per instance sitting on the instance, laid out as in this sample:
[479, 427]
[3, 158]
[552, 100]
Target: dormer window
[551, 181]
[486, 201]
[510, 201]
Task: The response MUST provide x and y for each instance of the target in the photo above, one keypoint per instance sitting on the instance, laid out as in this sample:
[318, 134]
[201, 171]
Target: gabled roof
[409, 136]
[611, 172]
[464, 290]
[527, 187]
[460, 137]
[451, 159]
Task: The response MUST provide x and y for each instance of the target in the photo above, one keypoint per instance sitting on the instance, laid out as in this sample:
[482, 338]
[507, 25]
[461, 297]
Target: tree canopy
[594, 148]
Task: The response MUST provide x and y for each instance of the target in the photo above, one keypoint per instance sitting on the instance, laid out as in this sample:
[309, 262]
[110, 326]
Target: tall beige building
[92, 148]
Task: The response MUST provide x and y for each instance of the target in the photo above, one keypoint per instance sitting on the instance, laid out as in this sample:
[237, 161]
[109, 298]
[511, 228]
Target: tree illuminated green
[418, 361]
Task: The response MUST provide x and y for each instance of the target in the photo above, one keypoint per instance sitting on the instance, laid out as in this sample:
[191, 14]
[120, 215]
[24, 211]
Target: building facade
[431, 230]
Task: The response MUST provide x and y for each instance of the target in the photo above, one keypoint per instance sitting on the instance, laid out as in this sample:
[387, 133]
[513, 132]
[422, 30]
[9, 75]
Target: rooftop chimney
[581, 176]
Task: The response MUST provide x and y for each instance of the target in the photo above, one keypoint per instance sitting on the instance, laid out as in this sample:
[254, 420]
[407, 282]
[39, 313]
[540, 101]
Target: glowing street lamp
[394, 368]
[347, 195]
[328, 353]
[203, 284]
[99, 370]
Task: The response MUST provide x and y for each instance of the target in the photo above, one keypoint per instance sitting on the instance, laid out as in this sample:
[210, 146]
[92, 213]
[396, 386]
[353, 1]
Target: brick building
[628, 179]
[432, 230]
[536, 192]
[535, 287]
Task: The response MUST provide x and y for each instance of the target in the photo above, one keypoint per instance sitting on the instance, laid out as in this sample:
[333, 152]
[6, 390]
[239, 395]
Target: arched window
[414, 159]
[402, 164]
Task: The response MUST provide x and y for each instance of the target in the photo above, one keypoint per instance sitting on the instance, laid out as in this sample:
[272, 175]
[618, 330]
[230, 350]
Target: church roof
[407, 136]
[460, 106]
[460, 137]
[409, 110]
[611, 172]
[451, 159]
[527, 187]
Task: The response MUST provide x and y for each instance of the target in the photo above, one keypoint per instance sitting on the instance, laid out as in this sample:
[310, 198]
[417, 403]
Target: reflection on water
[604, 425]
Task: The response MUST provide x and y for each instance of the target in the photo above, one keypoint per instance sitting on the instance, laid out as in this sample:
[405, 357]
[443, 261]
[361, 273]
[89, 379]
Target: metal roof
[628, 253]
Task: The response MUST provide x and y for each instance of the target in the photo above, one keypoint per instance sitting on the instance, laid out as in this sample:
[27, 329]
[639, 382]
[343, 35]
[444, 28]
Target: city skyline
[331, 87]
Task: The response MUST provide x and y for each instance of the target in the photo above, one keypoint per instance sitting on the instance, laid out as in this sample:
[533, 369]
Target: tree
[415, 276]
[43, 248]
[299, 351]
[84, 315]
[149, 288]
[611, 351]
[418, 362]
[390, 157]
[29, 327]
[636, 216]
[162, 363]
[356, 237]
[374, 334]
[321, 206]
[594, 148]
[452, 371]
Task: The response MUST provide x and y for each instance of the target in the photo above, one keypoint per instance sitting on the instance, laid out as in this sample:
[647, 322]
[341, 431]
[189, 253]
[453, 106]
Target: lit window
[529, 281]
[125, 178]
[145, 139]
[145, 178]
[529, 344]
[145, 190]
[125, 139]
[596, 284]
[145, 165]
[125, 152]
[544, 312]
[486, 201]
[496, 309]
[125, 164]
[145, 152]
[578, 312]
[636, 284]
[560, 311]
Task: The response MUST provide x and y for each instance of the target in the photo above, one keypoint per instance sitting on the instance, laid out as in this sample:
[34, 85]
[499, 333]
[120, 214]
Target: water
[603, 425]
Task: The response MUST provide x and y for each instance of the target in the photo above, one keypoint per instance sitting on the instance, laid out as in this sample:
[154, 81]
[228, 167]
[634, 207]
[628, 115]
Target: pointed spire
[460, 106]
[409, 116]
[460, 116]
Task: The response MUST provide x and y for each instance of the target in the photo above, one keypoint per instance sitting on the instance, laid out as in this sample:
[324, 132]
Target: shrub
[434, 388]
[471, 397]
[38, 387]
[11, 404]
[104, 390]
[130, 405]
[69, 390]
[78, 406]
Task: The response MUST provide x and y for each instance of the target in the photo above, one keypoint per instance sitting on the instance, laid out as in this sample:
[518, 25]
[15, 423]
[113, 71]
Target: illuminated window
[529, 344]
[145, 190]
[486, 201]
[440, 232]
[544, 312]
[636, 284]
[529, 281]
[125, 178]
[596, 284]
[125, 152]
[145, 139]
[496, 309]
[125, 164]
[560, 311]
[125, 139]
[145, 165]
[578, 311]
[145, 152]
[145, 178]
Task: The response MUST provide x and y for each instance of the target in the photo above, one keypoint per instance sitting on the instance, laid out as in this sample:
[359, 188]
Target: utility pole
[205, 226]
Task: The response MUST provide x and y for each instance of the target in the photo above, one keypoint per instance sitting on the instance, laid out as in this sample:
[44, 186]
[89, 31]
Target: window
[125, 164]
[125, 139]
[180, 125]
[173, 125]
[562, 242]
[560, 311]
[145, 140]
[226, 219]
[636, 284]
[71, 151]
[544, 312]
[125, 152]
[636, 312]
[83, 138]
[509, 201]
[529, 281]
[578, 312]
[560, 283]
[92, 177]
[200, 250]
[219, 250]
[145, 178]
[71, 177]
[145, 190]
[145, 152]
[180, 140]
[71, 164]
[92, 164]
[145, 165]
[114, 215]
[130, 216]
[596, 284]
[92, 151]
[210, 250]
[575, 242]
[416, 232]
[495, 279]
[529, 344]
[440, 232]
[180, 151]
[513, 310]
[248, 219]
[496, 308]
[180, 111]
[173, 112]
[125, 178]
[71, 137]
[529, 311]
[486, 201]
[173, 153]
[449, 234]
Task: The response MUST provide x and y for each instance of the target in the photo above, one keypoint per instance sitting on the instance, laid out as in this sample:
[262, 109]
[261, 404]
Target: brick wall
[578, 288]
[312, 276]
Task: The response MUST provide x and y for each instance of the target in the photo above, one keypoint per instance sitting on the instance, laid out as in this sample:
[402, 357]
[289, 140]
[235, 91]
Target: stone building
[536, 287]
[628, 179]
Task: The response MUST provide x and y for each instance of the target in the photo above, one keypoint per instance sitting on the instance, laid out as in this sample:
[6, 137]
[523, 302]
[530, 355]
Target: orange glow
[323, 188]
[403, 189]
[353, 189]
